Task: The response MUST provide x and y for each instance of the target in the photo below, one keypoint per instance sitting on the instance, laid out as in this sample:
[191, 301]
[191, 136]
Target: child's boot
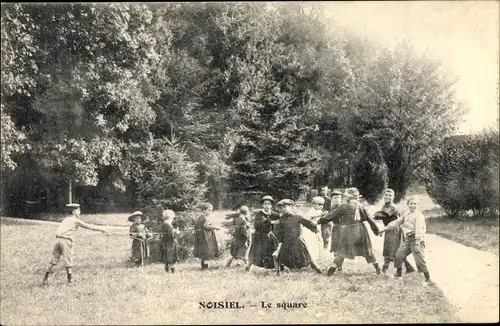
[427, 281]
[409, 267]
[70, 279]
[377, 268]
[46, 279]
[172, 270]
[331, 271]
[384, 269]
[166, 268]
[399, 272]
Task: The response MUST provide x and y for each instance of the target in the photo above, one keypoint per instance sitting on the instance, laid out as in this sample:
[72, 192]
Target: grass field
[481, 234]
[110, 291]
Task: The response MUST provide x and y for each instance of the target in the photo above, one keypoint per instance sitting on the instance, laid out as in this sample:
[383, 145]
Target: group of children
[284, 238]
[277, 238]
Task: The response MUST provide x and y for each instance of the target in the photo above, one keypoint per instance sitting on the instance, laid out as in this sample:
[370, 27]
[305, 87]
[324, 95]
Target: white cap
[318, 200]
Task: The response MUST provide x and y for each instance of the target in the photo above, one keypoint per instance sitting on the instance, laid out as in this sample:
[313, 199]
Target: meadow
[110, 291]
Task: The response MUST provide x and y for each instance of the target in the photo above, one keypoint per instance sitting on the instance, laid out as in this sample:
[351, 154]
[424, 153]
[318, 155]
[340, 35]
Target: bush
[370, 171]
[464, 175]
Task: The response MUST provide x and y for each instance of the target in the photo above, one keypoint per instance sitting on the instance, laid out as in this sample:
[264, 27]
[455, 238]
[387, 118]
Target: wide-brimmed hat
[72, 206]
[336, 193]
[137, 213]
[267, 198]
[284, 202]
[352, 193]
[318, 200]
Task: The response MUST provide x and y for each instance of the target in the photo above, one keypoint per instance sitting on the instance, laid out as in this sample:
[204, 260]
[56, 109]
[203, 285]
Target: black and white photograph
[223, 163]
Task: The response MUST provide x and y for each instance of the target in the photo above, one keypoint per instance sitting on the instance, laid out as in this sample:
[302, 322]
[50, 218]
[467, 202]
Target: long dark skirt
[354, 241]
[139, 250]
[261, 250]
[392, 240]
[170, 252]
[335, 242]
[155, 250]
[294, 254]
[205, 245]
[239, 248]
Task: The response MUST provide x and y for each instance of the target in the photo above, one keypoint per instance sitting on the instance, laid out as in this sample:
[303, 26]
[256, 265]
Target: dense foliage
[465, 175]
[259, 98]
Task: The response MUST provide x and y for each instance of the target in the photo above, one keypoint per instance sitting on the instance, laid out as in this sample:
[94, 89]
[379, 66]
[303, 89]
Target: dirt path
[468, 277]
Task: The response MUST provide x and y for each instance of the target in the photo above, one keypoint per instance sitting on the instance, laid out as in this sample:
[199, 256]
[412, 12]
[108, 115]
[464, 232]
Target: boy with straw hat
[63, 245]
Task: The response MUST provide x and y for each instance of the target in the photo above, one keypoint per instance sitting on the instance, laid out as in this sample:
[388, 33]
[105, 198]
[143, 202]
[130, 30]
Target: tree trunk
[70, 195]
[397, 170]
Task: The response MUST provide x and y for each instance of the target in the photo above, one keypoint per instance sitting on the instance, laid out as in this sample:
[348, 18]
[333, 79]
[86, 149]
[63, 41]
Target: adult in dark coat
[292, 250]
[393, 237]
[170, 248]
[263, 241]
[354, 239]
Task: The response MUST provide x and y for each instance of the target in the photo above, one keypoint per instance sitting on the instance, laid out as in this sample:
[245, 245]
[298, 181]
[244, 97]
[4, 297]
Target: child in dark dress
[240, 235]
[205, 241]
[292, 251]
[139, 233]
[263, 241]
[393, 237]
[170, 249]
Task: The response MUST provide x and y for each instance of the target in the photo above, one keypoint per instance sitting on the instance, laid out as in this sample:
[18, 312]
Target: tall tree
[408, 104]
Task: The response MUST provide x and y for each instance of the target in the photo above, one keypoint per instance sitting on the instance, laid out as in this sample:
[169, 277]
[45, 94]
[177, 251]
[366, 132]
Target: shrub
[464, 175]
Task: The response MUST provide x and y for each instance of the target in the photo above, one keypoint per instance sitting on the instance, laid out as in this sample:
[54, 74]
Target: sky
[464, 35]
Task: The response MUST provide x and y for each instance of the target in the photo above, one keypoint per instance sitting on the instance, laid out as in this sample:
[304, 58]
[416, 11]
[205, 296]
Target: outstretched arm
[90, 226]
[308, 224]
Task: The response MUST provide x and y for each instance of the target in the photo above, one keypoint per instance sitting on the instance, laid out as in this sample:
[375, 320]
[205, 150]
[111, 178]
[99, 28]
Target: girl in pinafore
[240, 235]
[139, 233]
[354, 239]
[393, 237]
[292, 251]
[205, 241]
[312, 239]
[170, 249]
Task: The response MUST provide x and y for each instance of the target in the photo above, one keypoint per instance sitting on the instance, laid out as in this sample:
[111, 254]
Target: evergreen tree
[166, 177]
